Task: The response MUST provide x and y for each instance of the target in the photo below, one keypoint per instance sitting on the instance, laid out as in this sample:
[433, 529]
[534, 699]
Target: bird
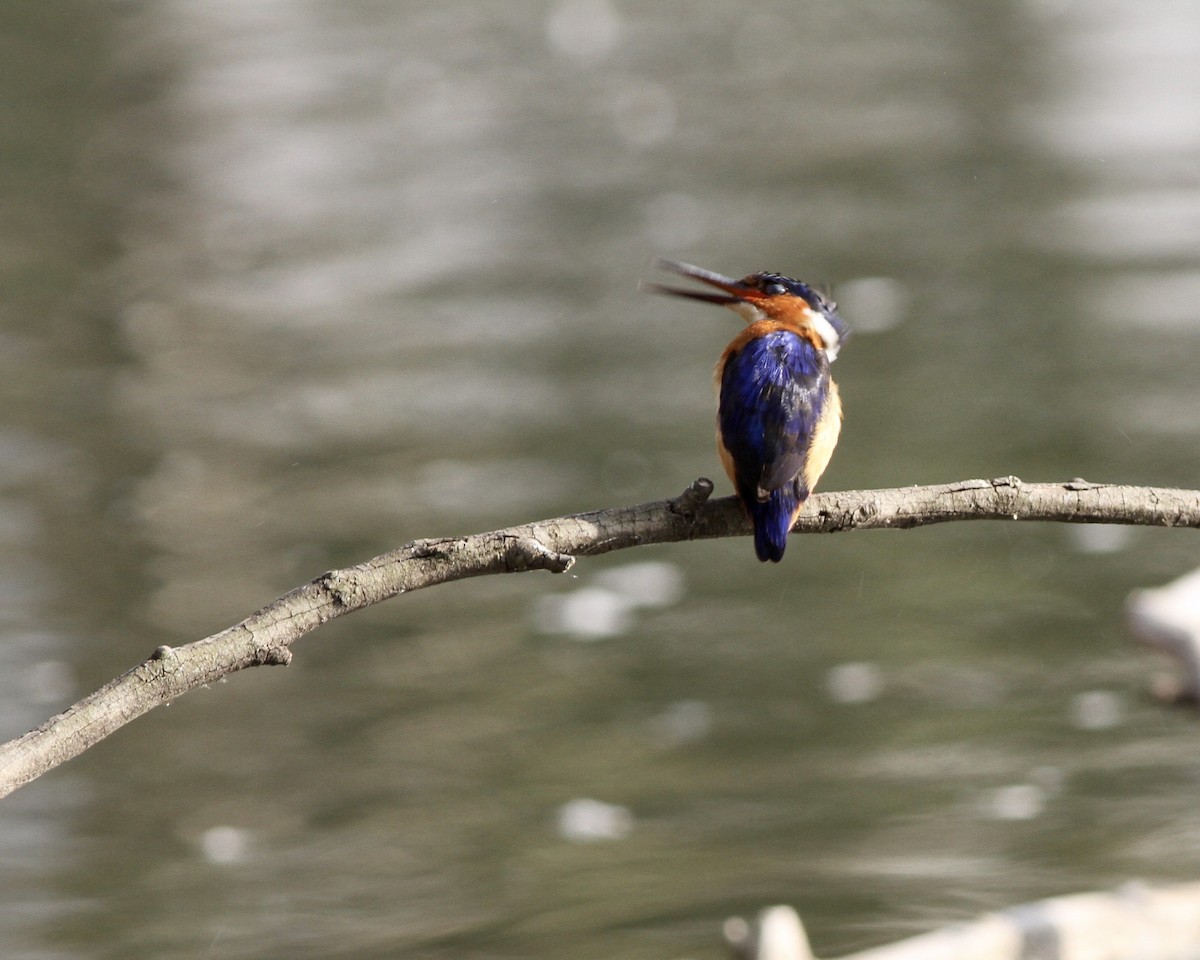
[779, 413]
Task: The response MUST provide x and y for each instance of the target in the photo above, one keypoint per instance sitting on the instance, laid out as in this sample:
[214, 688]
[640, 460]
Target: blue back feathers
[773, 391]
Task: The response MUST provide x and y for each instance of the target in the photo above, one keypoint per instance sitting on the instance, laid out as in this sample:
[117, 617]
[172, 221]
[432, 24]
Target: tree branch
[266, 637]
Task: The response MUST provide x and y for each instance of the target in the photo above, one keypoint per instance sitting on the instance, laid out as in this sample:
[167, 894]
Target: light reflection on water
[376, 278]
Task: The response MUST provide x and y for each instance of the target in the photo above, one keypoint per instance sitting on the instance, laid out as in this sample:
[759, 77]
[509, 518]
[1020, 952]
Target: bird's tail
[772, 519]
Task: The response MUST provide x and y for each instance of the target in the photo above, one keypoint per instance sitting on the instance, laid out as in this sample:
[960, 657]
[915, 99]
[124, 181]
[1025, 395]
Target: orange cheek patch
[786, 309]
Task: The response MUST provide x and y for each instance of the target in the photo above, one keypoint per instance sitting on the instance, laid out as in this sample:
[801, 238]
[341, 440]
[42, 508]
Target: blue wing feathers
[773, 391]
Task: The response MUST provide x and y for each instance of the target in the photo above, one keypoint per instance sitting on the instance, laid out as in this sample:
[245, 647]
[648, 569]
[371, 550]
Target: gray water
[286, 284]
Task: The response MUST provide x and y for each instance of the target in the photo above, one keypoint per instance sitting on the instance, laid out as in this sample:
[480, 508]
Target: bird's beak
[734, 290]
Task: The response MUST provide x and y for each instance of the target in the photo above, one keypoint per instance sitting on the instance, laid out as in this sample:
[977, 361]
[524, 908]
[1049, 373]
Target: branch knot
[688, 503]
[526, 553]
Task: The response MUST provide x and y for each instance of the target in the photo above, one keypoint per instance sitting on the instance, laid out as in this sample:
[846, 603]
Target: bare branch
[265, 637]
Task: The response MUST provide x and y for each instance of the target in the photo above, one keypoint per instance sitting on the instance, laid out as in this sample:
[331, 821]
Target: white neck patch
[827, 332]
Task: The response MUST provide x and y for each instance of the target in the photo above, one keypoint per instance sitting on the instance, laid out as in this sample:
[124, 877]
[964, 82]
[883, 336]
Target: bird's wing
[772, 393]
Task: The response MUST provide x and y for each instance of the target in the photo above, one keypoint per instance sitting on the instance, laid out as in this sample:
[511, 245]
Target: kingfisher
[778, 410]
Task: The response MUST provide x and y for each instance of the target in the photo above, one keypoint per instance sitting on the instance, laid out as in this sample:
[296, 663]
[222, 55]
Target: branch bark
[266, 637]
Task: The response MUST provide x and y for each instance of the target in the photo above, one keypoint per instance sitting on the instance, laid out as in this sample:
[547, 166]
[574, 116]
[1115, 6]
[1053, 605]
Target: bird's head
[766, 296]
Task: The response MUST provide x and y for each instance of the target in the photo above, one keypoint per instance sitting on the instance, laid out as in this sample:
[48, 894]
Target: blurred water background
[284, 284]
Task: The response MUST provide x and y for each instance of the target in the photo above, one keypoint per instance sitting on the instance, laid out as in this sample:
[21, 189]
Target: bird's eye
[773, 288]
